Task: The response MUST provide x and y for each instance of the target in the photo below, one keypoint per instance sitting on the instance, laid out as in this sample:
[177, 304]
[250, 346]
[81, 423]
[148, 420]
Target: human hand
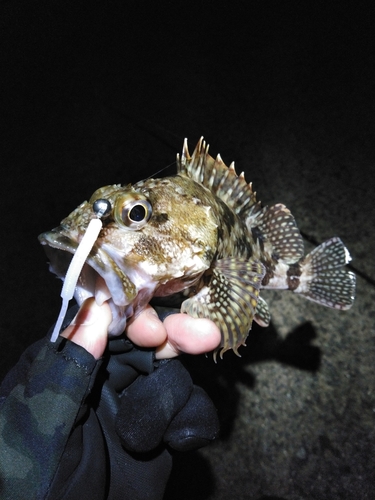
[178, 333]
[89, 327]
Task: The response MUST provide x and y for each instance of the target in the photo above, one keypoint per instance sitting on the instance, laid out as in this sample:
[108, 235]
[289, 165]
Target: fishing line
[161, 170]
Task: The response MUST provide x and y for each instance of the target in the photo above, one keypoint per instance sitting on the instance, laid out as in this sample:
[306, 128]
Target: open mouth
[99, 277]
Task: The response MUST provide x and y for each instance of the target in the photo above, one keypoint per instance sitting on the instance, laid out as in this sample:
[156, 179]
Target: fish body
[202, 236]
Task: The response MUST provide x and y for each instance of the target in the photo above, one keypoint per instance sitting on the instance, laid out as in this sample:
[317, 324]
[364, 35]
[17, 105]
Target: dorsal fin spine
[220, 179]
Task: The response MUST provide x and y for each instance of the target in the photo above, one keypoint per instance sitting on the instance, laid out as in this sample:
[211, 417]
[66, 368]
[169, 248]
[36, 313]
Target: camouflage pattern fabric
[40, 401]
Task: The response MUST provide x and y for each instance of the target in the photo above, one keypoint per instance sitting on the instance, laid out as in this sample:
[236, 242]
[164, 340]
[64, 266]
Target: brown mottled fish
[203, 235]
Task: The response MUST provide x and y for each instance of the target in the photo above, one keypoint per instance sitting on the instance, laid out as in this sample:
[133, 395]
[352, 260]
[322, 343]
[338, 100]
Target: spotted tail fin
[325, 282]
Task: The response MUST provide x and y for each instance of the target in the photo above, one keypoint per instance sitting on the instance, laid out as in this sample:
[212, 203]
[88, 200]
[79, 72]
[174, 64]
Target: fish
[201, 238]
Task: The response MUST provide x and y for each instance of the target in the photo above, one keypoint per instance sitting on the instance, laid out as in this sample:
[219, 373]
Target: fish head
[157, 238]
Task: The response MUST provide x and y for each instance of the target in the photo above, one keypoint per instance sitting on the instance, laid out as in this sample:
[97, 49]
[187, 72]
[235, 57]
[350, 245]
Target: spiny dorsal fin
[220, 179]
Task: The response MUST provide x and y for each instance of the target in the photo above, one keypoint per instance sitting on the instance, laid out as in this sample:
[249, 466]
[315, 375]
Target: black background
[94, 93]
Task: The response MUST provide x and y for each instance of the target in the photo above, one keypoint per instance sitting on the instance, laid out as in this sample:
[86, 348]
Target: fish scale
[201, 239]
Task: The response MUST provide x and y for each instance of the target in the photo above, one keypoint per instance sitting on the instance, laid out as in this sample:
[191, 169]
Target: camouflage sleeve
[40, 400]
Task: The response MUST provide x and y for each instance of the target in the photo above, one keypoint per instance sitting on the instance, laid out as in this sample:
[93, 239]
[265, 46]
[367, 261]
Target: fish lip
[60, 249]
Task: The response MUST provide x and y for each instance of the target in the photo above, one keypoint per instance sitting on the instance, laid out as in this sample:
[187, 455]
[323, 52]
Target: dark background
[105, 92]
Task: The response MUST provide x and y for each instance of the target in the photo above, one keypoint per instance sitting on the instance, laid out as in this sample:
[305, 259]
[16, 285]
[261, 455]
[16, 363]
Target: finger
[146, 330]
[89, 328]
[189, 335]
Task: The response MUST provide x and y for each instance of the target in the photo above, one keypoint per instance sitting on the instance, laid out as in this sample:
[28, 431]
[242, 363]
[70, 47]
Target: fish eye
[137, 213]
[133, 212]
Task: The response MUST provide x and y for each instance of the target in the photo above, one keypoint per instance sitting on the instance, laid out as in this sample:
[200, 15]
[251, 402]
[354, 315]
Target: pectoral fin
[229, 299]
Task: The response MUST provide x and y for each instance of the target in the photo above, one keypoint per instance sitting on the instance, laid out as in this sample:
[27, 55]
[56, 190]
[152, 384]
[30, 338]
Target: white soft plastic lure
[78, 261]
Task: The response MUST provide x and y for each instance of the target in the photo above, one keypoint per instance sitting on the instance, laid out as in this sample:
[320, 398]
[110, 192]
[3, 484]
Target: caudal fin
[325, 281]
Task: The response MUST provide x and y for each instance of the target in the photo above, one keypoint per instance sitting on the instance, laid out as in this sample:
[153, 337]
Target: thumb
[89, 328]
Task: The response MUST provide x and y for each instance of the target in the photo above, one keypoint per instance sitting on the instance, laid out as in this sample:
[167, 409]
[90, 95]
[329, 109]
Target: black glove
[165, 406]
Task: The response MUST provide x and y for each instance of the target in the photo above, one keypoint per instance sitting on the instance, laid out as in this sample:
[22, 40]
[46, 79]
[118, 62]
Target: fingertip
[192, 335]
[146, 329]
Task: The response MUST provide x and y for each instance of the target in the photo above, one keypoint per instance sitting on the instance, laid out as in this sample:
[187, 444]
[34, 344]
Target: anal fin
[262, 313]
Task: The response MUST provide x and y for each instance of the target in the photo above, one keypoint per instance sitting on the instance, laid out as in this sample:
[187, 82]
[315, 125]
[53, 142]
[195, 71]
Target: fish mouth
[99, 277]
